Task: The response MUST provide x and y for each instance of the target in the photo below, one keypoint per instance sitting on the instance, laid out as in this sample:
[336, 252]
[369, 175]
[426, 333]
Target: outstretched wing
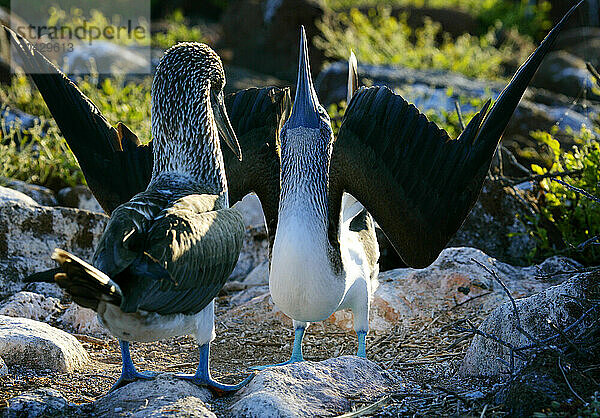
[418, 184]
[257, 116]
[115, 164]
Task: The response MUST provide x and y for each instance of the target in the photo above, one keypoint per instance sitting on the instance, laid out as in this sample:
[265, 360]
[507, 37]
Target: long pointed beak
[223, 123]
[306, 104]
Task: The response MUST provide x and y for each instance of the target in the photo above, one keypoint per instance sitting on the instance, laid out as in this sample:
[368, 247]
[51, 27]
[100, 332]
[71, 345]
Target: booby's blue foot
[362, 344]
[202, 376]
[128, 372]
[296, 351]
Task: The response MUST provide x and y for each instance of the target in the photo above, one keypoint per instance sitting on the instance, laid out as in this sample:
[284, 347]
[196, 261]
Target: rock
[255, 249]
[35, 345]
[13, 196]
[583, 42]
[17, 119]
[559, 305]
[564, 73]
[164, 396]
[109, 58]
[251, 210]
[3, 368]
[40, 194]
[45, 289]
[29, 233]
[82, 321]
[44, 402]
[497, 225]
[451, 280]
[258, 276]
[310, 389]
[30, 305]
[80, 197]
[263, 34]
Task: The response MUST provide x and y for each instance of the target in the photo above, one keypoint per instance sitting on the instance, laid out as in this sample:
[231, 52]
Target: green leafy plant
[177, 31]
[379, 38]
[531, 18]
[567, 219]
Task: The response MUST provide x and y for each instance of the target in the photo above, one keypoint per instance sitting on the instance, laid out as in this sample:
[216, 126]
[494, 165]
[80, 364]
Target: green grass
[45, 158]
[379, 38]
[530, 18]
[177, 31]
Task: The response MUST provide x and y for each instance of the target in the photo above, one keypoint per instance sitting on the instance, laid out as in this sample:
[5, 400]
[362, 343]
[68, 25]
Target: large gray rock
[565, 73]
[82, 321]
[559, 305]
[3, 367]
[44, 402]
[30, 305]
[29, 233]
[108, 59]
[311, 389]
[9, 195]
[79, 197]
[35, 345]
[164, 396]
[42, 195]
[255, 250]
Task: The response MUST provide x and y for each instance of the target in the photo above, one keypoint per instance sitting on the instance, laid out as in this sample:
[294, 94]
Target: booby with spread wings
[409, 176]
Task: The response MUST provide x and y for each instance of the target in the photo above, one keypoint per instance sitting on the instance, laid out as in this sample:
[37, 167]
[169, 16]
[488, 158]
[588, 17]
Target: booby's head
[309, 125]
[188, 108]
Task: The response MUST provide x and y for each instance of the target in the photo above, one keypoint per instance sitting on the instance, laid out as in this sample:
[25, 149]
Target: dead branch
[577, 190]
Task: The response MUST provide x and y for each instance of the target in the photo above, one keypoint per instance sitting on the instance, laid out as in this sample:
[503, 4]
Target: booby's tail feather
[86, 284]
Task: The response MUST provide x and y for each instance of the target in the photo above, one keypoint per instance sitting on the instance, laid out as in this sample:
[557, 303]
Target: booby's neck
[304, 179]
[186, 139]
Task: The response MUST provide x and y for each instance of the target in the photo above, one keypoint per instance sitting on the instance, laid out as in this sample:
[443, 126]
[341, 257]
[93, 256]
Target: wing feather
[418, 184]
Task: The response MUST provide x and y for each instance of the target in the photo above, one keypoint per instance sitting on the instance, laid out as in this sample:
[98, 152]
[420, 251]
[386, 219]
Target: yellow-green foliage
[40, 155]
[574, 217]
[177, 31]
[531, 18]
[379, 38]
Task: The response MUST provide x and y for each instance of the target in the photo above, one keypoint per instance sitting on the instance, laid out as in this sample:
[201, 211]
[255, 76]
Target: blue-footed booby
[388, 164]
[168, 250]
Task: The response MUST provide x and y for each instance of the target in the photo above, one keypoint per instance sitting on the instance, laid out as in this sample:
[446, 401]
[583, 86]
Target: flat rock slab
[35, 345]
[305, 389]
[165, 395]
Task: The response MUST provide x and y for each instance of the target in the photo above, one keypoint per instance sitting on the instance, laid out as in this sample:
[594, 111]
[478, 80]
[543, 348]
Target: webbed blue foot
[128, 373]
[202, 376]
[296, 351]
[362, 344]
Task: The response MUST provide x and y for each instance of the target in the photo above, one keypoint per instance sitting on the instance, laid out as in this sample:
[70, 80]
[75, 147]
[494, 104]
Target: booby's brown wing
[418, 184]
[257, 116]
[114, 162]
[179, 261]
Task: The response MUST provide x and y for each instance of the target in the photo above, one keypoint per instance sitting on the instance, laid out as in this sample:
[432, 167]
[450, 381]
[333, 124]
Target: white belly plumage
[146, 327]
[302, 281]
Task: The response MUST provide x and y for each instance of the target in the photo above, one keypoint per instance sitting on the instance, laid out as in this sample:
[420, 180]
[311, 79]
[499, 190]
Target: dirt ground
[425, 355]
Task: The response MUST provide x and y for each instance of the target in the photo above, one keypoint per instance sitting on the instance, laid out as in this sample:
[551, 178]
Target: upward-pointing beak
[305, 112]
[223, 123]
